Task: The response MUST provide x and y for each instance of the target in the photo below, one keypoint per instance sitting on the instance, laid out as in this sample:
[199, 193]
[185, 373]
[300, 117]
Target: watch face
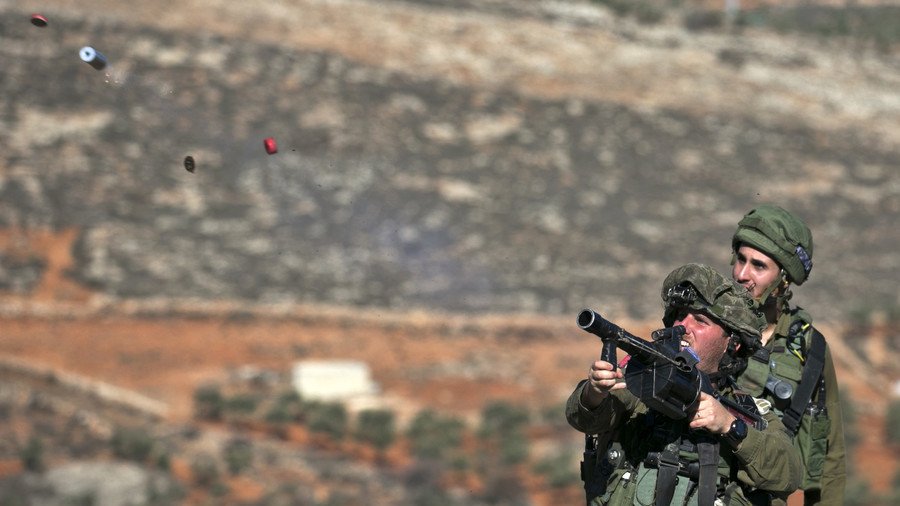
[738, 430]
[736, 433]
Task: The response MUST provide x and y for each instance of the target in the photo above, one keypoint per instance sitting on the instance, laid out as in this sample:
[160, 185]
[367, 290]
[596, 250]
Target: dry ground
[425, 362]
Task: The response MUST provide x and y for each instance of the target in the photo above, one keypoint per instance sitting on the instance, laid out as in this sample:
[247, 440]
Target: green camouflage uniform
[764, 469]
[820, 438]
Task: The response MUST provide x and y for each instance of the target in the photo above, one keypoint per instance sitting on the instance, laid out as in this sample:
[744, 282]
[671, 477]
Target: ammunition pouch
[755, 376]
[812, 441]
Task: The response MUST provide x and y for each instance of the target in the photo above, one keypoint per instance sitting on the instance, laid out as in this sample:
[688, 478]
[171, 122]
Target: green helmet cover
[780, 235]
[700, 287]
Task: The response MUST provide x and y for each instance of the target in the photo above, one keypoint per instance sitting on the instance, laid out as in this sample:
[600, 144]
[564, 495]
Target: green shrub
[503, 486]
[558, 470]
[879, 24]
[204, 469]
[697, 20]
[433, 436]
[514, 448]
[619, 7]
[423, 483]
[554, 417]
[32, 455]
[163, 460]
[83, 499]
[376, 427]
[242, 404]
[287, 408]
[219, 489]
[502, 432]
[328, 418]
[208, 403]
[857, 493]
[280, 413]
[500, 417]
[164, 492]
[894, 493]
[648, 13]
[892, 422]
[238, 455]
[644, 11]
[131, 443]
[851, 433]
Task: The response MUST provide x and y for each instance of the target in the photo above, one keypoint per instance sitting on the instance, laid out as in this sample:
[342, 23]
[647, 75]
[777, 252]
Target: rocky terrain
[460, 159]
[454, 181]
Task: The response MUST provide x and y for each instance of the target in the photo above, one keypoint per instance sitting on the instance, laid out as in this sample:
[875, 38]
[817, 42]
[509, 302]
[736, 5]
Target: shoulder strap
[812, 371]
[709, 459]
[666, 475]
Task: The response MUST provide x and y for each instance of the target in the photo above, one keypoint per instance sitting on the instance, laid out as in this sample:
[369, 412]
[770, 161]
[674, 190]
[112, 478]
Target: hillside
[462, 159]
[454, 181]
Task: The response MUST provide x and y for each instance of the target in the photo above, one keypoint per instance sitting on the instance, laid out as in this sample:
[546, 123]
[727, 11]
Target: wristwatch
[736, 433]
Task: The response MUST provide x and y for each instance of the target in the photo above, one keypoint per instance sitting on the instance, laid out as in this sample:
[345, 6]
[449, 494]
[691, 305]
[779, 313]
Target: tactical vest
[788, 373]
[654, 460]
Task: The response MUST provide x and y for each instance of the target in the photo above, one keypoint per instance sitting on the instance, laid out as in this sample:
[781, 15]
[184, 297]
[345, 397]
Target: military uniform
[794, 346]
[652, 456]
[763, 470]
[820, 436]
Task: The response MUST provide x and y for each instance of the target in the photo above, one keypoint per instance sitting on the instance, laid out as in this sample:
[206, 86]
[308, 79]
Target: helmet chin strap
[730, 363]
[766, 297]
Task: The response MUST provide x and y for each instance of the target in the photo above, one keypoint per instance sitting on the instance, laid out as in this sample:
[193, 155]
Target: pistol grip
[608, 353]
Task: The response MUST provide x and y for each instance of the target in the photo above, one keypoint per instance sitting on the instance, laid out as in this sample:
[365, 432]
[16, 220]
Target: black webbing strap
[709, 460]
[666, 476]
[812, 372]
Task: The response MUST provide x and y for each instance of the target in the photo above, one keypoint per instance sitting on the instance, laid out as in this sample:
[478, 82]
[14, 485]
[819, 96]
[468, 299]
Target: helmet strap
[734, 342]
[730, 362]
[765, 299]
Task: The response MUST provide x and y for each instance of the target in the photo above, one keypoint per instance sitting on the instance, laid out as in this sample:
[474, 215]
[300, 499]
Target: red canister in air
[39, 20]
[270, 145]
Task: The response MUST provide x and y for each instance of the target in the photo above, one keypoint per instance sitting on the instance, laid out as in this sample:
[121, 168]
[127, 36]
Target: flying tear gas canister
[92, 57]
[38, 20]
[271, 146]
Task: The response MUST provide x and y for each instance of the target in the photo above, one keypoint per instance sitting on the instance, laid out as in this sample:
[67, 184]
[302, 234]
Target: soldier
[710, 457]
[772, 249]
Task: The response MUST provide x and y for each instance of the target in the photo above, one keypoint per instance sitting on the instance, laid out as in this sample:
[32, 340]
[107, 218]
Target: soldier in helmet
[712, 456]
[772, 249]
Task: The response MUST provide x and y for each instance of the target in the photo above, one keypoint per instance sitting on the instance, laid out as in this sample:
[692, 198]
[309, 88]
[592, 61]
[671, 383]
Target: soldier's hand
[601, 379]
[711, 415]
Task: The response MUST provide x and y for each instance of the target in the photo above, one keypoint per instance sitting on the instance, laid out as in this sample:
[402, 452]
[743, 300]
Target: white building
[332, 380]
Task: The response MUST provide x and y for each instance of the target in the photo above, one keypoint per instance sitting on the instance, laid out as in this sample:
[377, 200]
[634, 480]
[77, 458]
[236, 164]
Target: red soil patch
[168, 359]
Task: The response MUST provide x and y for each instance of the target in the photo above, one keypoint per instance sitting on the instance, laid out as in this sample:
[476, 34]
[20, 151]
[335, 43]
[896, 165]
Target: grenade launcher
[659, 373]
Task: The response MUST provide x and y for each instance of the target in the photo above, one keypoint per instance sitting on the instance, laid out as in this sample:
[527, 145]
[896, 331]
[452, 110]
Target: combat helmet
[700, 287]
[780, 235]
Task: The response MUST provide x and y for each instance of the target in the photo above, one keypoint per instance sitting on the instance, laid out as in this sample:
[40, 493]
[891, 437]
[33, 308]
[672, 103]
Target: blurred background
[382, 311]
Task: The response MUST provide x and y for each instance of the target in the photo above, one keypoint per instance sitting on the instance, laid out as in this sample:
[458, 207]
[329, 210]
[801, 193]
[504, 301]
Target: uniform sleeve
[834, 473]
[768, 459]
[617, 406]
